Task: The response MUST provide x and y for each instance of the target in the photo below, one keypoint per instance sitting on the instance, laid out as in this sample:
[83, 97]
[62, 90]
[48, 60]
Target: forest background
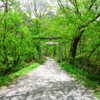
[74, 21]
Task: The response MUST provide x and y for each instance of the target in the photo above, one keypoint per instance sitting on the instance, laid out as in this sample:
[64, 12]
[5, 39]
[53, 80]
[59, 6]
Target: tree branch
[92, 20]
[93, 1]
[74, 3]
[71, 2]
[97, 46]
[76, 6]
[5, 12]
[2, 6]
[61, 6]
[98, 16]
[2, 17]
[3, 2]
[95, 29]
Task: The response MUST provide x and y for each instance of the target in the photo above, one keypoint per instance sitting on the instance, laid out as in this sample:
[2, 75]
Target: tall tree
[5, 7]
[80, 15]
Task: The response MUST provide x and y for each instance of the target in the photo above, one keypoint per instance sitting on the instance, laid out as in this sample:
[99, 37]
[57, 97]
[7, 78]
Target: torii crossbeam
[50, 42]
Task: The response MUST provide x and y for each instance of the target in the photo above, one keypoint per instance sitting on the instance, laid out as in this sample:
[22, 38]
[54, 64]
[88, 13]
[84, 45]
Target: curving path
[47, 82]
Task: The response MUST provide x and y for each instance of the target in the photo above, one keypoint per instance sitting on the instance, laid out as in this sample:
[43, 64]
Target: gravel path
[47, 82]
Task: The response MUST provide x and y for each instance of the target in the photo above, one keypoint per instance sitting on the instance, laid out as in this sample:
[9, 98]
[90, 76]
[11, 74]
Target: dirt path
[47, 82]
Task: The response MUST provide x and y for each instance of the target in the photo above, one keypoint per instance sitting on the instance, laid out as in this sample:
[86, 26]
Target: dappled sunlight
[47, 82]
[31, 31]
[70, 90]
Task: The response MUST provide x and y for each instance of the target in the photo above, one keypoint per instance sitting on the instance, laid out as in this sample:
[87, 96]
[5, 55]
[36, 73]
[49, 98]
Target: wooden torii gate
[50, 43]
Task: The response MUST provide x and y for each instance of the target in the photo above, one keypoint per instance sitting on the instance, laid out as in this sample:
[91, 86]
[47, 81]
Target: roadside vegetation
[76, 23]
[90, 81]
[7, 79]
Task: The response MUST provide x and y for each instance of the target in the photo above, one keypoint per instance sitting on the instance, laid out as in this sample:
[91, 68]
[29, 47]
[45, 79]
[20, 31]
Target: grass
[6, 80]
[24, 70]
[83, 77]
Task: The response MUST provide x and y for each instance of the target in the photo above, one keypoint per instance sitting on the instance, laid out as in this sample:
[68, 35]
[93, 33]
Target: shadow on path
[47, 82]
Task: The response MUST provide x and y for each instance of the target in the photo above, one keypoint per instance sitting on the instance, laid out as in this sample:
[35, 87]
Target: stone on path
[46, 82]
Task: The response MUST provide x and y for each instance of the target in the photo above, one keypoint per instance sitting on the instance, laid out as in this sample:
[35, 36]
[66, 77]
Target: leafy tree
[80, 16]
[7, 5]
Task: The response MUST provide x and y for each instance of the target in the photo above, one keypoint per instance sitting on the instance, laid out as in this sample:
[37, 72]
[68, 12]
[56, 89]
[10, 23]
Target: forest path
[46, 82]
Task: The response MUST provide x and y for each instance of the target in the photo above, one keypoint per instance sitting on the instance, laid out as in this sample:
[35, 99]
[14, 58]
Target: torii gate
[50, 43]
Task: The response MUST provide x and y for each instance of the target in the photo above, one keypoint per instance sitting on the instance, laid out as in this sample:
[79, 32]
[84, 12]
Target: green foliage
[24, 70]
[17, 44]
[77, 24]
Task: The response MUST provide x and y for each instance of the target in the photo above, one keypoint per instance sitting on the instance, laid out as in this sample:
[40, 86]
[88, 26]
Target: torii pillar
[39, 52]
[61, 55]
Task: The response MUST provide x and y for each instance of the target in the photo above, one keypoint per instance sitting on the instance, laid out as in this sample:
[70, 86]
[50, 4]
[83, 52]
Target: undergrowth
[83, 76]
[24, 67]
[7, 79]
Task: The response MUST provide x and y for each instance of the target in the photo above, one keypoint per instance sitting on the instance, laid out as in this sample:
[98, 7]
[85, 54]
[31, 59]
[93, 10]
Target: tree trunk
[39, 53]
[54, 54]
[5, 11]
[97, 46]
[18, 57]
[80, 46]
[46, 52]
[65, 53]
[73, 49]
[61, 53]
[4, 37]
[74, 45]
